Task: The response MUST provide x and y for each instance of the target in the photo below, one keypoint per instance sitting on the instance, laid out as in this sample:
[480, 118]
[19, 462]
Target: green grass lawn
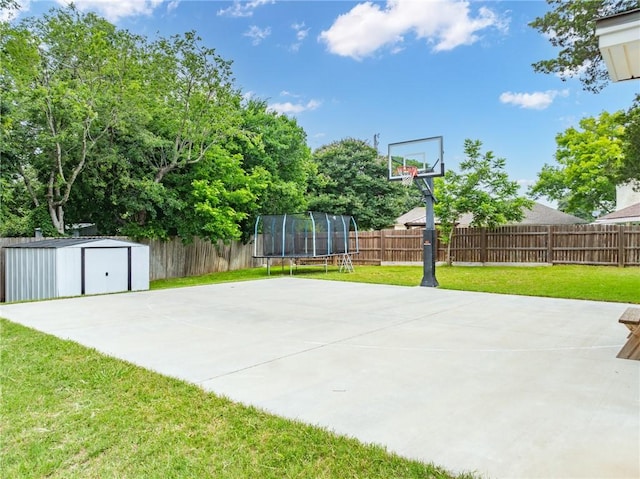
[600, 283]
[70, 412]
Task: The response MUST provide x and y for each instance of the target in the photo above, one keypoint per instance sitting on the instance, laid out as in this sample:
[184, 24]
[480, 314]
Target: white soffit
[619, 42]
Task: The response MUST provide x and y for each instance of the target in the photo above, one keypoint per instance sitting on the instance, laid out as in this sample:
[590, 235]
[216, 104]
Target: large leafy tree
[570, 26]
[481, 188]
[352, 180]
[589, 162]
[189, 107]
[630, 168]
[274, 147]
[17, 206]
[193, 102]
[214, 198]
[104, 126]
[61, 79]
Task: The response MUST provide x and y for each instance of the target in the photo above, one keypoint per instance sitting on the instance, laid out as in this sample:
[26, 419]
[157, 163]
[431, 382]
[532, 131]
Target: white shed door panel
[106, 270]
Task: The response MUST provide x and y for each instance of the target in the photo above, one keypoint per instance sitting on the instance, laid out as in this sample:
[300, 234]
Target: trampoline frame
[296, 237]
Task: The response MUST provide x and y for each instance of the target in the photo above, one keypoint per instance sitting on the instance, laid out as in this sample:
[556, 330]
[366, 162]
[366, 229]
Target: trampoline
[310, 235]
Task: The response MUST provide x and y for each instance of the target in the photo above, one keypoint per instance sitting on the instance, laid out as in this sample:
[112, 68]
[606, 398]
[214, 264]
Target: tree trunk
[449, 260]
[57, 217]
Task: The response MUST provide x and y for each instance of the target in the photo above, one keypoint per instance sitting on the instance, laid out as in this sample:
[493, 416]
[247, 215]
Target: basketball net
[407, 173]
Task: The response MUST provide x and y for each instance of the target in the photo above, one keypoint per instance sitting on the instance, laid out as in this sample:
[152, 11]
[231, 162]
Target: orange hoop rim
[410, 170]
[407, 173]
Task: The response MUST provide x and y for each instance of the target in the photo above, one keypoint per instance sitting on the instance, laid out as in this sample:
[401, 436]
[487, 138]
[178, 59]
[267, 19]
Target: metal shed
[74, 266]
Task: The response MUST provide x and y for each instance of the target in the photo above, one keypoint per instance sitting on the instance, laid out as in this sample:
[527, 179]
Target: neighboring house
[539, 214]
[82, 229]
[627, 194]
[627, 206]
[630, 214]
[412, 219]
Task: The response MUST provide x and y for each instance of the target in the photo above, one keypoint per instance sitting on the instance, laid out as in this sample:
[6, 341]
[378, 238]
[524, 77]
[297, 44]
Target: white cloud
[257, 34]
[301, 32]
[445, 25]
[288, 108]
[574, 72]
[114, 10]
[173, 4]
[288, 93]
[249, 95]
[538, 100]
[243, 9]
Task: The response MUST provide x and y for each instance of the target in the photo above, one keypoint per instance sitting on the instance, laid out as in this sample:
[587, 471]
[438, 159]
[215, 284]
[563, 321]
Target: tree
[195, 105]
[213, 198]
[274, 146]
[104, 126]
[61, 75]
[188, 106]
[571, 27]
[8, 8]
[482, 188]
[352, 180]
[630, 168]
[589, 161]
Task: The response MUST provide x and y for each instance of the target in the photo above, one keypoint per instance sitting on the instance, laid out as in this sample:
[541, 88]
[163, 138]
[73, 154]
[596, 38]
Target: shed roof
[54, 243]
[67, 242]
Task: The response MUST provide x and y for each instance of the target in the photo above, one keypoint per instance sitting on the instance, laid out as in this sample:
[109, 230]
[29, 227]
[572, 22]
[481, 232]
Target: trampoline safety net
[309, 234]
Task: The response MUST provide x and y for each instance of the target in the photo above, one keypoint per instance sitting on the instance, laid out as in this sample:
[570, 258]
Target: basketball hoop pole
[429, 237]
[417, 160]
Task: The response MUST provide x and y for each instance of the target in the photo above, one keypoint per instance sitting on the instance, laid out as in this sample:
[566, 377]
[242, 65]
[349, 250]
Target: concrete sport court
[504, 386]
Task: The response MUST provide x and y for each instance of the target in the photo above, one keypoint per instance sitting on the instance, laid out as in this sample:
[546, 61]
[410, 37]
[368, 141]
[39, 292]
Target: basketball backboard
[425, 155]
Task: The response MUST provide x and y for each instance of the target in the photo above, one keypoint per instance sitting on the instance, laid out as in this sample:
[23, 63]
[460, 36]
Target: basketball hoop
[408, 173]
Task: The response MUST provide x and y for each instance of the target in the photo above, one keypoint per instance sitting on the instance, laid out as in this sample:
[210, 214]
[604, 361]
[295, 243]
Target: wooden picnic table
[631, 319]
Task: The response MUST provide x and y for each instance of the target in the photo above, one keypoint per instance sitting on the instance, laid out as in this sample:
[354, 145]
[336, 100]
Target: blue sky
[403, 69]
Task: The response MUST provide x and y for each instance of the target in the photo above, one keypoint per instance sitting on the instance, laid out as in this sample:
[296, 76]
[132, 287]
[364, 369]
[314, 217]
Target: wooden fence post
[621, 249]
[550, 244]
[483, 245]
[382, 246]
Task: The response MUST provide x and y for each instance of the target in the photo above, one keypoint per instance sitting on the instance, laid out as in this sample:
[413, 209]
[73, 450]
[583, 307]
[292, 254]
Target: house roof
[625, 215]
[544, 215]
[539, 214]
[416, 214]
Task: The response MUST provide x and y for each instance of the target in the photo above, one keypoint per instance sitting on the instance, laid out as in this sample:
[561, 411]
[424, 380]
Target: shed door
[106, 270]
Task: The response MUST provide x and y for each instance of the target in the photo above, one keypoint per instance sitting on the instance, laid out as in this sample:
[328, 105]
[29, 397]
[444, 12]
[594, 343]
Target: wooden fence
[174, 259]
[574, 244]
[614, 245]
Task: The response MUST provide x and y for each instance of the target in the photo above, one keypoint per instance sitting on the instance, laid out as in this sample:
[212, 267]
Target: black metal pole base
[429, 282]
[429, 263]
